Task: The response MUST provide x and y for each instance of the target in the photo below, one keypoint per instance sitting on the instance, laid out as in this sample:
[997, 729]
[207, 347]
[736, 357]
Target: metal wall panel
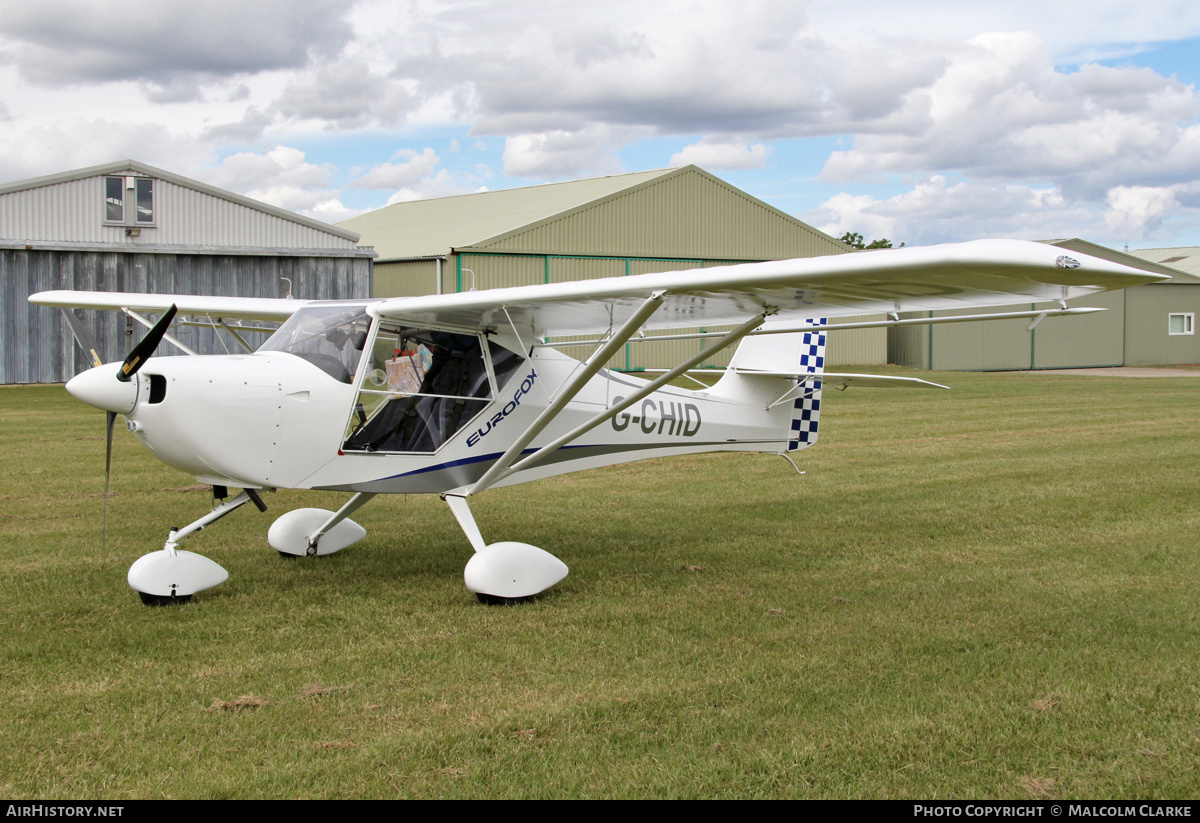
[909, 345]
[1147, 342]
[408, 279]
[1080, 342]
[645, 266]
[566, 269]
[990, 345]
[1132, 332]
[856, 347]
[73, 211]
[490, 271]
[36, 345]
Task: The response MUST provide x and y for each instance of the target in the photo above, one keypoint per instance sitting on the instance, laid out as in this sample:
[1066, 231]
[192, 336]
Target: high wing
[240, 308]
[963, 275]
[979, 273]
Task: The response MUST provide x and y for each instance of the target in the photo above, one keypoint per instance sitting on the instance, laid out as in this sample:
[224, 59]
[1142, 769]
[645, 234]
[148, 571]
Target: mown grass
[988, 592]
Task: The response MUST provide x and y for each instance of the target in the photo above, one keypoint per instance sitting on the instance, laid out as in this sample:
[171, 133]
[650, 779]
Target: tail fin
[806, 409]
[798, 353]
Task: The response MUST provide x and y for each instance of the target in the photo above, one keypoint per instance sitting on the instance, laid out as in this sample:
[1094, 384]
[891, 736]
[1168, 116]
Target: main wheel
[163, 599]
[496, 600]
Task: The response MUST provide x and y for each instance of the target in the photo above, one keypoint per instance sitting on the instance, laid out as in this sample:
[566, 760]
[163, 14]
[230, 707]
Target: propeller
[146, 346]
[94, 388]
[83, 337]
[112, 418]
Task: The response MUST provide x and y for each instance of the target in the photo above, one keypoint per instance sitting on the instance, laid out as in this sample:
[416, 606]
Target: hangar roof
[1179, 258]
[1147, 260]
[431, 228]
[678, 212]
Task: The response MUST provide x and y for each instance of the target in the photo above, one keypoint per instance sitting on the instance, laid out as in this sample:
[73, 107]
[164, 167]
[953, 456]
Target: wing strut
[168, 337]
[499, 472]
[241, 340]
[570, 389]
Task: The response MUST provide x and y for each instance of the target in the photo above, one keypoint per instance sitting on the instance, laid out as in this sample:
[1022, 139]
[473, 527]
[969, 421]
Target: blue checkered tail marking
[806, 409]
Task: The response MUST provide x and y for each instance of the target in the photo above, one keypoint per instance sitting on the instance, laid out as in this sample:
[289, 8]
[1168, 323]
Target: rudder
[797, 353]
[806, 409]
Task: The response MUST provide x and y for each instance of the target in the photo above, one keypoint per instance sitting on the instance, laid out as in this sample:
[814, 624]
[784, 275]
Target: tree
[853, 238]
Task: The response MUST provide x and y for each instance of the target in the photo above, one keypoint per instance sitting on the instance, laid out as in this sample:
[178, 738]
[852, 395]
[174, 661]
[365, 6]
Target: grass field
[987, 592]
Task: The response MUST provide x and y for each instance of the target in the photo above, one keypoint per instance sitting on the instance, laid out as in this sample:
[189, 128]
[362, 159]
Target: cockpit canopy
[330, 337]
[419, 386]
[423, 386]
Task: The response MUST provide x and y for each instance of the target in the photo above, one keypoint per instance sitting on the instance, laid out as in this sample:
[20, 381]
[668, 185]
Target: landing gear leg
[502, 573]
[171, 576]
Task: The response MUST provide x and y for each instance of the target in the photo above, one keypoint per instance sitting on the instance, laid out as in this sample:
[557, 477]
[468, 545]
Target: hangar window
[129, 201]
[1181, 324]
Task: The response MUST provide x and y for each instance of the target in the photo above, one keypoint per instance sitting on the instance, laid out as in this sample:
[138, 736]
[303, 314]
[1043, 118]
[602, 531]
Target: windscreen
[329, 337]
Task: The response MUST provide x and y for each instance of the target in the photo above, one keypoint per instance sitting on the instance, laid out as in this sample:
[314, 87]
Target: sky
[922, 122]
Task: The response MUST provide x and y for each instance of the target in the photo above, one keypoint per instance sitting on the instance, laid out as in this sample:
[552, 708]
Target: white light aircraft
[459, 393]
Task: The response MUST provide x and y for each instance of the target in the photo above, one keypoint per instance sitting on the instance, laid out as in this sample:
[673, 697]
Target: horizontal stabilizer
[830, 380]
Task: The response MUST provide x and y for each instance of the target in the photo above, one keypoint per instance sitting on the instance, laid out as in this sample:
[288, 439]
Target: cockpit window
[422, 386]
[329, 337]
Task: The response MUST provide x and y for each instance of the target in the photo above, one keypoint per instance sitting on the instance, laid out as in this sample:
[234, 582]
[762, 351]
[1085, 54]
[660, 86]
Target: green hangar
[684, 218]
[615, 226]
[1151, 325]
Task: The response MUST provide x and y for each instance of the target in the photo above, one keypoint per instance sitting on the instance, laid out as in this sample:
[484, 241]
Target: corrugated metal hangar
[126, 226]
[130, 227]
[1182, 258]
[1149, 325]
[650, 221]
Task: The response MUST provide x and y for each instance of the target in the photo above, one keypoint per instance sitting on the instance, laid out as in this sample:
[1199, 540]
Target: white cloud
[1136, 211]
[413, 168]
[75, 143]
[1076, 30]
[556, 155]
[1001, 111]
[282, 177]
[345, 94]
[416, 177]
[938, 211]
[282, 166]
[680, 68]
[331, 211]
[714, 154]
[991, 96]
[170, 43]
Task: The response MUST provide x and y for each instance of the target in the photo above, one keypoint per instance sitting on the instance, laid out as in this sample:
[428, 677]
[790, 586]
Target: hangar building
[1150, 325]
[651, 221]
[126, 226]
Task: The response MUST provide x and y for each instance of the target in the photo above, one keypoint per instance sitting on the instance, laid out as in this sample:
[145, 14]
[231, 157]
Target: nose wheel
[171, 576]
